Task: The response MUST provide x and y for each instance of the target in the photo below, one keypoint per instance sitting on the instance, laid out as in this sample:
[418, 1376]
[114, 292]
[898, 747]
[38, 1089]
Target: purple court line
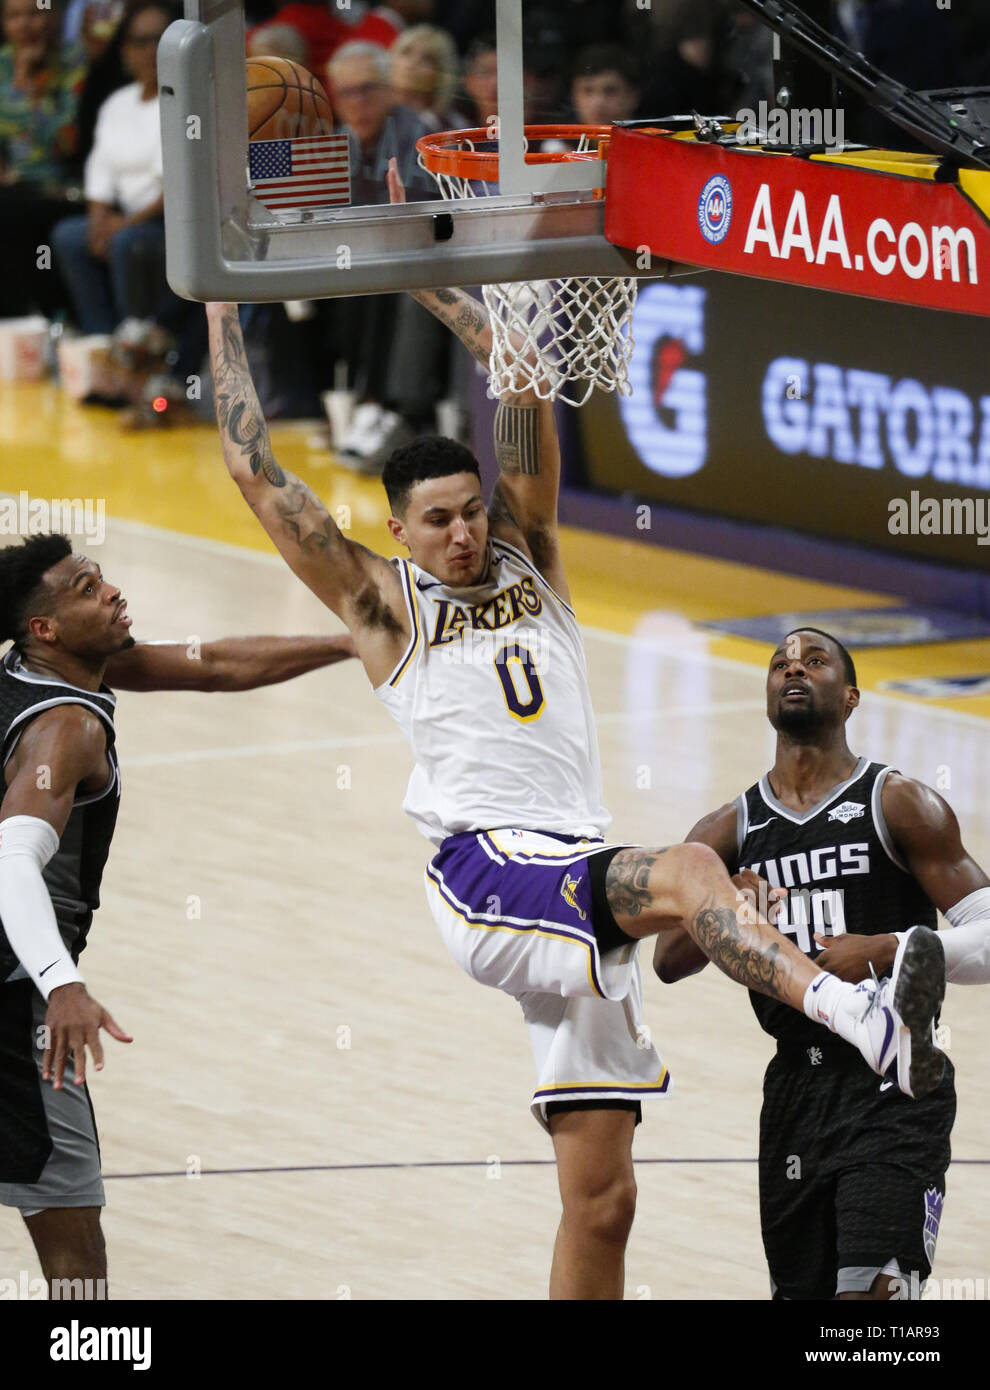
[435, 1163]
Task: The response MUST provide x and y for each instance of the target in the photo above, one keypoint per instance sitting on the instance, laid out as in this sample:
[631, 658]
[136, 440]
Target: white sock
[825, 1002]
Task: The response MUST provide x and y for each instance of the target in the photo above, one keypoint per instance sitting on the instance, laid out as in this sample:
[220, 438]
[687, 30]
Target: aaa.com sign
[805, 221]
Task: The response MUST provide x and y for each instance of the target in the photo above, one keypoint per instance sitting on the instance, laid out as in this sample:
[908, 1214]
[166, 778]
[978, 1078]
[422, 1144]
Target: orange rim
[441, 153]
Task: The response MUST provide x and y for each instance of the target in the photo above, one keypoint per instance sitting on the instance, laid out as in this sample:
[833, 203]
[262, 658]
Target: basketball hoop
[559, 338]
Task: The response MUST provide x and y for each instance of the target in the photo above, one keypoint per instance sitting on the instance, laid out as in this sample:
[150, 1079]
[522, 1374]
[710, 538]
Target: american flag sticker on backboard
[314, 171]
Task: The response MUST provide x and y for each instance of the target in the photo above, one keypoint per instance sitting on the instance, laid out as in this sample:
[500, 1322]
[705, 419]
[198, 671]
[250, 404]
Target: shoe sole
[918, 981]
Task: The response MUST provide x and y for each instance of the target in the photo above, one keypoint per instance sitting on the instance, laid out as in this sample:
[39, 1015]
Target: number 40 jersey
[492, 694]
[840, 868]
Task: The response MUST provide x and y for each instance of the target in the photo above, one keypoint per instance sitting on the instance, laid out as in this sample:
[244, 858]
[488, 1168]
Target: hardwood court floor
[317, 1102]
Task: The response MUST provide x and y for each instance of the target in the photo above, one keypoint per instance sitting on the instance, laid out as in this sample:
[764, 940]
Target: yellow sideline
[175, 479]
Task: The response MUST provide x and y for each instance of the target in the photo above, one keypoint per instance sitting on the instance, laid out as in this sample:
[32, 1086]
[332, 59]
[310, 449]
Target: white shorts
[515, 910]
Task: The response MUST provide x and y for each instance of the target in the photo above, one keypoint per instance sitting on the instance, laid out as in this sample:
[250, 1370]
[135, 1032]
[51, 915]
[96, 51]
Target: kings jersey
[74, 873]
[841, 871]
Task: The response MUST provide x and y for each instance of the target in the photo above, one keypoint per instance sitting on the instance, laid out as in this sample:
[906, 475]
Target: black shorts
[852, 1178]
[49, 1150]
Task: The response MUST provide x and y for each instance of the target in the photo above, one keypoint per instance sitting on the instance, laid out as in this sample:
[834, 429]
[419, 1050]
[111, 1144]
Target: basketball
[285, 101]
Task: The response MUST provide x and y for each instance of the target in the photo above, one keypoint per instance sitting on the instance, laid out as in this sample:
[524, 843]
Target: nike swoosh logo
[886, 1085]
[47, 968]
[818, 984]
[762, 824]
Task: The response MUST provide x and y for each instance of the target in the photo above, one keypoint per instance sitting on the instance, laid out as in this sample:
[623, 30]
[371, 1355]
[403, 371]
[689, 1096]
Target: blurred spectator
[277, 40]
[40, 81]
[606, 85]
[105, 254]
[424, 76]
[480, 81]
[604, 89]
[545, 60]
[318, 24]
[107, 74]
[92, 24]
[359, 84]
[384, 23]
[113, 258]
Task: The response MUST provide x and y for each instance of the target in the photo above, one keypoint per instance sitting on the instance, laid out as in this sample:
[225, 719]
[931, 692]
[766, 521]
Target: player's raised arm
[359, 586]
[232, 663]
[523, 507]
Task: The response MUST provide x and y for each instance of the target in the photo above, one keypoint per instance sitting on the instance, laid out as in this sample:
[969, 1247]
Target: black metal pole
[798, 81]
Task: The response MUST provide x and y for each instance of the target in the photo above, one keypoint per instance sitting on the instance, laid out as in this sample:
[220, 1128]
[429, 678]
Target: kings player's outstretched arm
[361, 587]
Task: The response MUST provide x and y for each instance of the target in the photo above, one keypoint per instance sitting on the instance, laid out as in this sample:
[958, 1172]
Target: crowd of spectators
[80, 154]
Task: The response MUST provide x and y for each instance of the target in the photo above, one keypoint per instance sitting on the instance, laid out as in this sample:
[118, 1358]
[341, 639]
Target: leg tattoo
[740, 953]
[627, 881]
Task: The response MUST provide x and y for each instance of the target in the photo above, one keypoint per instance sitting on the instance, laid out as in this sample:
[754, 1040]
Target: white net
[559, 338]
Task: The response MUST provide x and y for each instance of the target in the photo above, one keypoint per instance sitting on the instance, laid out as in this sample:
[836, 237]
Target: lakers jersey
[838, 862]
[492, 694]
[74, 873]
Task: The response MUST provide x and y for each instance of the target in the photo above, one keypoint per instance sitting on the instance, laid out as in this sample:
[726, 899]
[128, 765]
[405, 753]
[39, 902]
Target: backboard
[544, 221]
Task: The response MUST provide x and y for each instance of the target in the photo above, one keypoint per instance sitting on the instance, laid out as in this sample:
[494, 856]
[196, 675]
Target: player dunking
[471, 644]
[59, 793]
[863, 852]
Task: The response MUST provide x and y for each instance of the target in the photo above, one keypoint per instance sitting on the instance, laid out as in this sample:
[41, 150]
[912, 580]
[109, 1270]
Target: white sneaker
[897, 1026]
[369, 426]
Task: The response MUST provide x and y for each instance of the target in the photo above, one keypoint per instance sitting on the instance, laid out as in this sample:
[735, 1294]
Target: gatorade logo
[666, 416]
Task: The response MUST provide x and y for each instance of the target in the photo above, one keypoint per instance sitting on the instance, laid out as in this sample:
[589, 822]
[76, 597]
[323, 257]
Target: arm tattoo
[463, 315]
[738, 953]
[238, 410]
[469, 320]
[300, 513]
[516, 438]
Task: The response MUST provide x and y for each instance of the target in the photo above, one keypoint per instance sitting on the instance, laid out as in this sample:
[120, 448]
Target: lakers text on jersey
[492, 694]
